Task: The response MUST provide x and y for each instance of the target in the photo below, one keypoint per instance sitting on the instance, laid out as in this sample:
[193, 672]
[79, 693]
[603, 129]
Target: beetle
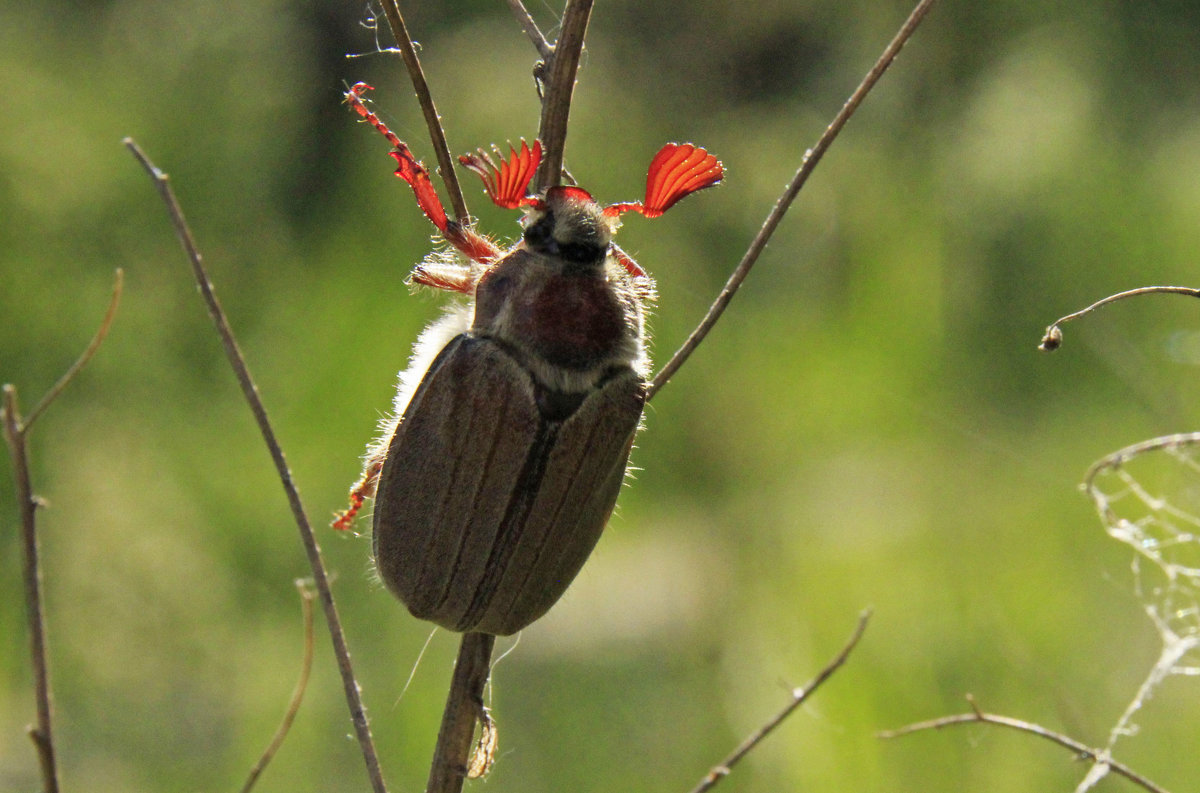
[514, 421]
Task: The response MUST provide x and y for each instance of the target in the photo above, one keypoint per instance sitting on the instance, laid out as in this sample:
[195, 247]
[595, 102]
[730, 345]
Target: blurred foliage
[870, 426]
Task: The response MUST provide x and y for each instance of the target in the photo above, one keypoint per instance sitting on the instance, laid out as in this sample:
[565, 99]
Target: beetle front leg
[361, 490]
[453, 276]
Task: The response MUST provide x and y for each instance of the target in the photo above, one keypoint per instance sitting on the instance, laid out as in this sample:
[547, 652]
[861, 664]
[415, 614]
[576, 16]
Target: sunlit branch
[799, 697]
[1052, 339]
[811, 158]
[1098, 756]
[358, 713]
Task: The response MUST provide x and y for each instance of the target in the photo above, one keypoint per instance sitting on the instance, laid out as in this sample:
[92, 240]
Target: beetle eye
[538, 234]
[580, 252]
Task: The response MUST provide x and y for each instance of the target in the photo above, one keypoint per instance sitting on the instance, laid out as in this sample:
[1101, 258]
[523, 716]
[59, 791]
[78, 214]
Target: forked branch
[560, 87]
[358, 713]
[464, 701]
[525, 20]
[16, 430]
[1101, 758]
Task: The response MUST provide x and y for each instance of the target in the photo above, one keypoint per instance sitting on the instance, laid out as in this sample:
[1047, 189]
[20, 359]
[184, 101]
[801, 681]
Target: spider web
[1148, 497]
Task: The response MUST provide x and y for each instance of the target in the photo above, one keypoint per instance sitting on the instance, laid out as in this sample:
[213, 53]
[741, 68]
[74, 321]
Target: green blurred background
[870, 425]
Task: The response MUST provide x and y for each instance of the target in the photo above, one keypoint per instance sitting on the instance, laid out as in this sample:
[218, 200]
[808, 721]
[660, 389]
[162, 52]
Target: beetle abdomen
[488, 504]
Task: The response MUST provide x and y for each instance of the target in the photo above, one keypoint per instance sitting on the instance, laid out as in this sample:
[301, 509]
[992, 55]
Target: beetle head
[568, 224]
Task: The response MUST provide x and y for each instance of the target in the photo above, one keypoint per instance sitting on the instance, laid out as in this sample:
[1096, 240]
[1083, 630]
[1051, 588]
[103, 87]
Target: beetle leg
[363, 489]
[474, 246]
[628, 263]
[642, 282]
[451, 276]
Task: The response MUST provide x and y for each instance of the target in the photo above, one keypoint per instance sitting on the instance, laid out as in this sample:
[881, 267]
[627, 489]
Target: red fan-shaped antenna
[507, 183]
[679, 169]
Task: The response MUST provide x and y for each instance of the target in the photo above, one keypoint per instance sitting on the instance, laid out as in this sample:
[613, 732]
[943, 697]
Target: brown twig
[42, 734]
[306, 607]
[545, 49]
[432, 120]
[811, 158]
[560, 86]
[1099, 756]
[358, 713]
[97, 340]
[1052, 339]
[464, 707]
[799, 697]
[16, 429]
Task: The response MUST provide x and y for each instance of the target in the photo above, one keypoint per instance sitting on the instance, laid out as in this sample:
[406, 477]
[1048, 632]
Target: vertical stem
[560, 85]
[42, 734]
[464, 705]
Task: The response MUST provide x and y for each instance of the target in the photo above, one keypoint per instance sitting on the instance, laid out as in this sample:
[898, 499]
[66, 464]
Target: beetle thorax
[559, 301]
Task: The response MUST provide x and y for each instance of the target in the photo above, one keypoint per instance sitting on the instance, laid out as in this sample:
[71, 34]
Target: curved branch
[811, 158]
[289, 716]
[1052, 339]
[97, 340]
[353, 693]
[1098, 756]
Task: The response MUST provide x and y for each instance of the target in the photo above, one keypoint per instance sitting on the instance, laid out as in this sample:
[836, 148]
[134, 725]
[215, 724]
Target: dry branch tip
[1052, 339]
[799, 696]
[812, 158]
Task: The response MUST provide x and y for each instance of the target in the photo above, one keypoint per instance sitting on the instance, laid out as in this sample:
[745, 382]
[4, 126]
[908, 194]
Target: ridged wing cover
[478, 546]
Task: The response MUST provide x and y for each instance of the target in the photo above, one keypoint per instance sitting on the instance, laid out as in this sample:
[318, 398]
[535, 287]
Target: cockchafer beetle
[513, 424]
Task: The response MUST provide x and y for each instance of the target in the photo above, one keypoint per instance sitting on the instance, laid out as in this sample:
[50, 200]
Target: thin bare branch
[42, 733]
[16, 429]
[464, 708]
[97, 340]
[358, 713]
[432, 120]
[799, 697]
[306, 607]
[560, 85]
[1122, 456]
[976, 716]
[1052, 339]
[811, 158]
[545, 49]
